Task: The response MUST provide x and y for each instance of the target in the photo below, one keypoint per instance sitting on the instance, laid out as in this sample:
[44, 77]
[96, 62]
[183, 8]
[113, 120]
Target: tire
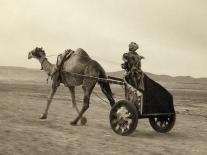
[162, 123]
[123, 118]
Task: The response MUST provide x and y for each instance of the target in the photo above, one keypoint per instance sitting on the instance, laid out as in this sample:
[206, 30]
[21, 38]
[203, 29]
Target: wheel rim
[122, 120]
[163, 122]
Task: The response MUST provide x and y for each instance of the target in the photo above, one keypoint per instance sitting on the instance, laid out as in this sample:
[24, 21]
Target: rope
[95, 93]
[97, 78]
[52, 55]
[105, 60]
[109, 61]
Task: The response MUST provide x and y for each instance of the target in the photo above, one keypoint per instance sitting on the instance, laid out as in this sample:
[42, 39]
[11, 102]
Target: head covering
[133, 46]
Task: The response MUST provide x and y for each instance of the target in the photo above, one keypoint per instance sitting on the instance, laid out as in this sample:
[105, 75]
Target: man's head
[133, 46]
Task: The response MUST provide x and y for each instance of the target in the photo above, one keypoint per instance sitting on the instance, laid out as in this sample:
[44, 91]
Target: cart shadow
[153, 134]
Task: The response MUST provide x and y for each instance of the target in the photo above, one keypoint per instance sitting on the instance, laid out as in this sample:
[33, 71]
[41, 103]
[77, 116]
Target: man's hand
[142, 57]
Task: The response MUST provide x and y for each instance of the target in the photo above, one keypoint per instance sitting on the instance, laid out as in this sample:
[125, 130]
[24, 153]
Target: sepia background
[172, 35]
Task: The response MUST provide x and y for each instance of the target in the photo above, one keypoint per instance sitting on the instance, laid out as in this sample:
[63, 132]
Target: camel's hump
[81, 51]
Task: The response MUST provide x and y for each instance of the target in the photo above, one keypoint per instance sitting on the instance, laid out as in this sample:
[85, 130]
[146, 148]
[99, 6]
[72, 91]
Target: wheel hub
[123, 119]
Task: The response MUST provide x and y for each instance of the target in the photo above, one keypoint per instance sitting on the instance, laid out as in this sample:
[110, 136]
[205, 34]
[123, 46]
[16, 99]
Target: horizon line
[114, 71]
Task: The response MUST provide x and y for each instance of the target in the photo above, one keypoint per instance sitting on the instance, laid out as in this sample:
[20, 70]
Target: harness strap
[59, 66]
[42, 61]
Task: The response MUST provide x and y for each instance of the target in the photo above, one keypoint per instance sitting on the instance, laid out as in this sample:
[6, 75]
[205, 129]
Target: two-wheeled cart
[154, 103]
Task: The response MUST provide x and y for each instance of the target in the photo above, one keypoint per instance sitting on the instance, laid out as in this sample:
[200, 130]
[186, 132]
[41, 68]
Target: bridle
[42, 60]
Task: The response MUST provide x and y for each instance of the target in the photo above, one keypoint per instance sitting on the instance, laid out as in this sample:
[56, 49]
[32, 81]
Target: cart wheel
[123, 118]
[162, 123]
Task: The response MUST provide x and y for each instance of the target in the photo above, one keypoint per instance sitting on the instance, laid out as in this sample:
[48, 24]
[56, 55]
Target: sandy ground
[22, 133]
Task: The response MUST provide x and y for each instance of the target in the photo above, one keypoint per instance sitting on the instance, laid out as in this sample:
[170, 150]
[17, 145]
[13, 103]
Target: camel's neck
[46, 65]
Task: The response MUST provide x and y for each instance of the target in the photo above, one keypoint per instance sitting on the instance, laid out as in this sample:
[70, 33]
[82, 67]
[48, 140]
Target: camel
[76, 71]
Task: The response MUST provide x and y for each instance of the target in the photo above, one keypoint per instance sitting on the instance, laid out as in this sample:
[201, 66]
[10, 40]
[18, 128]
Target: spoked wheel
[162, 123]
[123, 118]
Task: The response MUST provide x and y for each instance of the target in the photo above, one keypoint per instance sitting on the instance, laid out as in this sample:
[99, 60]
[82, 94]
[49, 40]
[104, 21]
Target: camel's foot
[83, 121]
[73, 123]
[43, 116]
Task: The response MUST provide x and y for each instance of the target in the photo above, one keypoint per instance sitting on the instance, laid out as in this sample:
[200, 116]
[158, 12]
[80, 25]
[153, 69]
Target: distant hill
[165, 77]
[27, 75]
[177, 82]
[21, 74]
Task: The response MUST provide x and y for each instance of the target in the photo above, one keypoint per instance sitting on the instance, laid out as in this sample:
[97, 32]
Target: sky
[172, 34]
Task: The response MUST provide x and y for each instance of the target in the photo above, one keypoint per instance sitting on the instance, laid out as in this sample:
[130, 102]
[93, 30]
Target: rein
[96, 57]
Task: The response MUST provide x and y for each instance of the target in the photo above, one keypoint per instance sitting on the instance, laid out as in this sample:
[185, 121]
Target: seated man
[132, 65]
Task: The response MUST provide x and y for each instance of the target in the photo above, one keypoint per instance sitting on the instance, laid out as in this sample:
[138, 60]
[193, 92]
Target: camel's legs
[87, 93]
[72, 92]
[49, 100]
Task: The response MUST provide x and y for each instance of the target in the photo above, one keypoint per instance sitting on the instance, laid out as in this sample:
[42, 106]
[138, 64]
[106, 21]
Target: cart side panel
[156, 98]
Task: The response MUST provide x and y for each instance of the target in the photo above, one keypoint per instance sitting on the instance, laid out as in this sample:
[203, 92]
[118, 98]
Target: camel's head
[36, 53]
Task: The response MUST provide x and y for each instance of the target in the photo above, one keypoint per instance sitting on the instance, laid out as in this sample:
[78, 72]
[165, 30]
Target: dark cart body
[155, 100]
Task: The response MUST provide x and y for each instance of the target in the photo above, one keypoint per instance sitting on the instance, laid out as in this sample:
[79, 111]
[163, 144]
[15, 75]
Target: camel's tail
[105, 87]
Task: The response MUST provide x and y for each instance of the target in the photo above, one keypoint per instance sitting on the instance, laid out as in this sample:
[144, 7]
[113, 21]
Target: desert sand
[22, 132]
